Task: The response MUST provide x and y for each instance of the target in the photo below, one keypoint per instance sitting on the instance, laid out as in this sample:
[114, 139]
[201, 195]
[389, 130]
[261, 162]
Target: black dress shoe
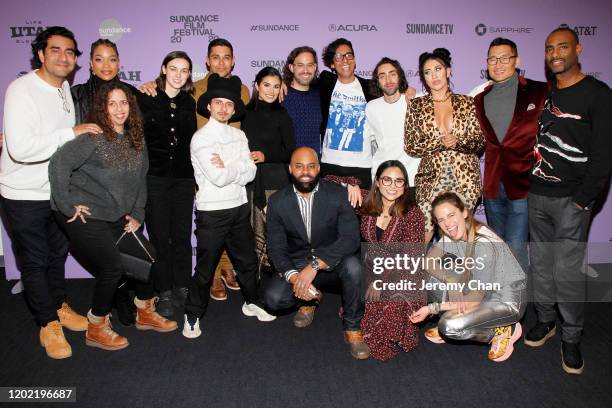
[164, 304]
[178, 297]
[539, 333]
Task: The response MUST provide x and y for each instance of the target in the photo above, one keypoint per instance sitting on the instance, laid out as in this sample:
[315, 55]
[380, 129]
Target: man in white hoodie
[222, 167]
[38, 119]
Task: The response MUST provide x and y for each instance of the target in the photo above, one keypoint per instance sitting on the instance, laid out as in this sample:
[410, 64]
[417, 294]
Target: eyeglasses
[387, 181]
[65, 103]
[348, 55]
[504, 60]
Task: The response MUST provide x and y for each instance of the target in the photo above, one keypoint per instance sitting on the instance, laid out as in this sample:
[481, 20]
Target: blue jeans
[510, 220]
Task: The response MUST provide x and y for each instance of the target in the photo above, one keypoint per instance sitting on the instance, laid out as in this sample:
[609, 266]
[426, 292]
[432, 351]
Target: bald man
[313, 238]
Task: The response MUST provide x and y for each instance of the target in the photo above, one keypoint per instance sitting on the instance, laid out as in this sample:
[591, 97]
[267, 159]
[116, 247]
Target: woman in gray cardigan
[98, 193]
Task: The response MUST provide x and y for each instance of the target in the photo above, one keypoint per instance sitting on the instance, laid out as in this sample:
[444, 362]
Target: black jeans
[278, 294]
[558, 231]
[93, 245]
[230, 228]
[169, 215]
[40, 249]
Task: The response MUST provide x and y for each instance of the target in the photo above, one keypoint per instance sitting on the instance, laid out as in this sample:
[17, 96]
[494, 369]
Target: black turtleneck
[269, 129]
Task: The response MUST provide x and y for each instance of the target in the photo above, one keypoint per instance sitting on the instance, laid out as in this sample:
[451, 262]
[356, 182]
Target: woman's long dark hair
[264, 72]
[373, 203]
[161, 78]
[98, 114]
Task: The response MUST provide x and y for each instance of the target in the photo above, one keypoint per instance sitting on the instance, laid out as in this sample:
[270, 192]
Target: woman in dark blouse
[269, 130]
[169, 120]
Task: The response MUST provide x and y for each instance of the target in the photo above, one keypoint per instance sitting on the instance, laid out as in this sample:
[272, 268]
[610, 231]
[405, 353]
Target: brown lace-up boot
[148, 319]
[100, 334]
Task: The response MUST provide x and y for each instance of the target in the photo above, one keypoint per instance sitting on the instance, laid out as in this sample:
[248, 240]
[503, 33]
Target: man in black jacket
[313, 237]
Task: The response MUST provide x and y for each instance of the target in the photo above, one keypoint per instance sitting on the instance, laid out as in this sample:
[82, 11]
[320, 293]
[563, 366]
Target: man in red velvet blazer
[508, 110]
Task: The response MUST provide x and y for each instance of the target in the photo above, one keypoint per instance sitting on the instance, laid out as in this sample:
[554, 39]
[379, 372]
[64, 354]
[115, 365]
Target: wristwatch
[315, 265]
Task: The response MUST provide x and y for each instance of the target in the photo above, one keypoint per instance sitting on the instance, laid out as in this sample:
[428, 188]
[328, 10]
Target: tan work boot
[359, 348]
[217, 290]
[71, 319]
[304, 316]
[53, 340]
[100, 334]
[148, 319]
[228, 276]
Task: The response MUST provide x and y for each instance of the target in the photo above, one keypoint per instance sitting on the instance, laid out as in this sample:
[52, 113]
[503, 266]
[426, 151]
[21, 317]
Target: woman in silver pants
[475, 281]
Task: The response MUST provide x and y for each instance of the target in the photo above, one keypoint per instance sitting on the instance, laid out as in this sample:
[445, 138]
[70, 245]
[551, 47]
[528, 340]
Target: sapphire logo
[111, 29]
[198, 26]
[431, 28]
[352, 27]
[25, 33]
[481, 29]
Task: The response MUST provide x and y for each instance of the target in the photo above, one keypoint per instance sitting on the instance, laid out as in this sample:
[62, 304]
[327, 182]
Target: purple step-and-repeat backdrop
[264, 32]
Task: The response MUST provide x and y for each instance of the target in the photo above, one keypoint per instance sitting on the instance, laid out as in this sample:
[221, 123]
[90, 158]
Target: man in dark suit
[508, 110]
[313, 237]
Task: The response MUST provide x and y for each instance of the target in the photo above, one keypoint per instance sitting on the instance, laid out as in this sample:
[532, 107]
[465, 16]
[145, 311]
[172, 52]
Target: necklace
[448, 95]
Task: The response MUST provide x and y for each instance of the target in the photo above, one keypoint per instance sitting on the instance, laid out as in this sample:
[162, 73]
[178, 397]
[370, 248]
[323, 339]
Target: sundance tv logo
[430, 28]
[482, 29]
[351, 27]
[276, 63]
[275, 27]
[25, 33]
[111, 29]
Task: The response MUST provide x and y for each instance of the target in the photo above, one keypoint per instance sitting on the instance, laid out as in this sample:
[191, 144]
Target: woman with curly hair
[442, 129]
[98, 193]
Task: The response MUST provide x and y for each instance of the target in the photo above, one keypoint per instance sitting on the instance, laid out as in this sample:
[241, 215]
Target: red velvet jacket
[511, 161]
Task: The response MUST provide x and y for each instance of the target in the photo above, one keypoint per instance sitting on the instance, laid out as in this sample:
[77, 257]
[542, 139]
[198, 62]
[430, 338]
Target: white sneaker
[253, 310]
[191, 331]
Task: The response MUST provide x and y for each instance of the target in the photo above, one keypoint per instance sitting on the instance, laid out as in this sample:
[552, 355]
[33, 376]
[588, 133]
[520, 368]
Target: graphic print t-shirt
[344, 143]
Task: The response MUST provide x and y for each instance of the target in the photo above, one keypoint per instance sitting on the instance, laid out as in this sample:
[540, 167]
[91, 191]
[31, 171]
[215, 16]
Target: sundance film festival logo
[275, 27]
[484, 74]
[25, 33]
[196, 25]
[482, 29]
[276, 63]
[351, 27]
[430, 28]
[111, 29]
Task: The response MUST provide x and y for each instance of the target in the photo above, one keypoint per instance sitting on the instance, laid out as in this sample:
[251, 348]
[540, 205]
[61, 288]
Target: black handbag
[135, 267]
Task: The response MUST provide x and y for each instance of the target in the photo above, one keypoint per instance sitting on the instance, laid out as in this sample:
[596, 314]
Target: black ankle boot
[126, 310]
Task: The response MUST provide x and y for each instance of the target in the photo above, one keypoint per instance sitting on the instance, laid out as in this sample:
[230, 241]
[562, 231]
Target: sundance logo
[482, 29]
[485, 75]
[111, 29]
[129, 76]
[278, 63]
[433, 28]
[352, 27]
[275, 27]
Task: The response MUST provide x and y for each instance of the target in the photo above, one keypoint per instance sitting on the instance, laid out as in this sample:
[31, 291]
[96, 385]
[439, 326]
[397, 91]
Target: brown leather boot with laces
[358, 346]
[100, 334]
[148, 319]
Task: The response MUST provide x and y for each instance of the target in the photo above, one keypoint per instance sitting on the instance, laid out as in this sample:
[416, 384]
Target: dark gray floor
[239, 362]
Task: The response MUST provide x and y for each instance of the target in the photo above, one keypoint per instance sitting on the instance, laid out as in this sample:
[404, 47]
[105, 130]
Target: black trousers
[169, 215]
[40, 249]
[278, 294]
[558, 231]
[93, 245]
[230, 228]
